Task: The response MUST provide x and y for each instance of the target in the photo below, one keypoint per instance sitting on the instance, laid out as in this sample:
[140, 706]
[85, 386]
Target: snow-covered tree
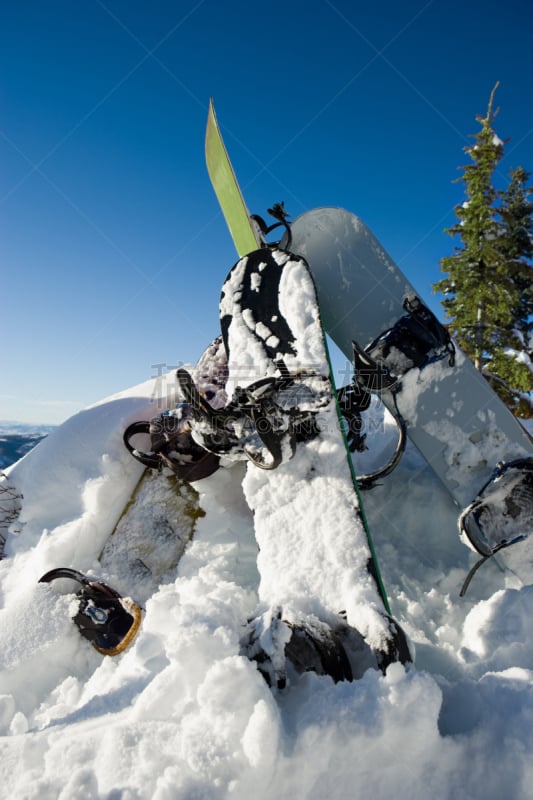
[488, 288]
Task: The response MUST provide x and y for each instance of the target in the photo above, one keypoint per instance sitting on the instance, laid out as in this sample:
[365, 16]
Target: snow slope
[182, 715]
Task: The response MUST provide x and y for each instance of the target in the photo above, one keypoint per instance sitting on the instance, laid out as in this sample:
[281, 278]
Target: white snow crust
[182, 715]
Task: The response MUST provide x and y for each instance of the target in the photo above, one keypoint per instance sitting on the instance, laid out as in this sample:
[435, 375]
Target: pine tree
[517, 242]
[488, 277]
[511, 365]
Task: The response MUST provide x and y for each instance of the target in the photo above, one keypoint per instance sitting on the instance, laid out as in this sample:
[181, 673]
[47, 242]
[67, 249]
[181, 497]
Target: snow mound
[181, 714]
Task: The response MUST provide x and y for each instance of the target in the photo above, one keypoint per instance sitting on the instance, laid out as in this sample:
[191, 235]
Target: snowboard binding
[171, 443]
[278, 213]
[280, 647]
[284, 649]
[172, 446]
[263, 421]
[370, 377]
[108, 620]
[502, 513]
[416, 340]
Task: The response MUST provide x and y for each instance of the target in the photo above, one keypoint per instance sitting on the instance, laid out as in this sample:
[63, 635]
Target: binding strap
[277, 429]
[371, 377]
[172, 447]
[278, 212]
[151, 460]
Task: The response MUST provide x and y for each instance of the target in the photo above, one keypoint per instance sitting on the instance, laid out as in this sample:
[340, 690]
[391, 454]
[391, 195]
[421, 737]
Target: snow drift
[181, 714]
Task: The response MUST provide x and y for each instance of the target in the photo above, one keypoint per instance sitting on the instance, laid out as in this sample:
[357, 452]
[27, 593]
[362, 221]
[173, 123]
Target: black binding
[172, 447]
[519, 498]
[106, 619]
[254, 408]
[370, 377]
[278, 212]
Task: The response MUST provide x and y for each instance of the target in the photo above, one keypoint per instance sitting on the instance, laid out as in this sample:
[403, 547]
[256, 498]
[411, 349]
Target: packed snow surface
[181, 714]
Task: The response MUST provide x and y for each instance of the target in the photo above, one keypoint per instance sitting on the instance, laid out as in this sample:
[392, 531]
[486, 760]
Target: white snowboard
[452, 415]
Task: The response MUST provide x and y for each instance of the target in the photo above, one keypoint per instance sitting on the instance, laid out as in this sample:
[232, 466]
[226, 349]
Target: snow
[181, 714]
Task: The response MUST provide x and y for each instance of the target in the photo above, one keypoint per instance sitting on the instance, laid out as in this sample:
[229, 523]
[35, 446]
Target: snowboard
[450, 412]
[243, 232]
[150, 538]
[145, 519]
[322, 605]
[10, 506]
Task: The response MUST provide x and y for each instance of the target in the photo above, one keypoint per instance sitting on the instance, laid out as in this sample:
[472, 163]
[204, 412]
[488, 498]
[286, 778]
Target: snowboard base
[151, 535]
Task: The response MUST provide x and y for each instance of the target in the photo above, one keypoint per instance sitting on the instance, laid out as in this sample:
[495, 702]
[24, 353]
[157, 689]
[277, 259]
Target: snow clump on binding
[284, 649]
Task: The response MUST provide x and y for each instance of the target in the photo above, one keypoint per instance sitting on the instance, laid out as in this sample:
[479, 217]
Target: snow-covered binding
[170, 442]
[502, 513]
[263, 421]
[284, 648]
[279, 647]
[171, 445]
[108, 620]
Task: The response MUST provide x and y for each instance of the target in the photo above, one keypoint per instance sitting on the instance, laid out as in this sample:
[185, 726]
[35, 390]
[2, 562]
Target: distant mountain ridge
[13, 427]
[18, 438]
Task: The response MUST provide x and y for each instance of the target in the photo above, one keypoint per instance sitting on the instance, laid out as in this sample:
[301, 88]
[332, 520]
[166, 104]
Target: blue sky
[113, 249]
